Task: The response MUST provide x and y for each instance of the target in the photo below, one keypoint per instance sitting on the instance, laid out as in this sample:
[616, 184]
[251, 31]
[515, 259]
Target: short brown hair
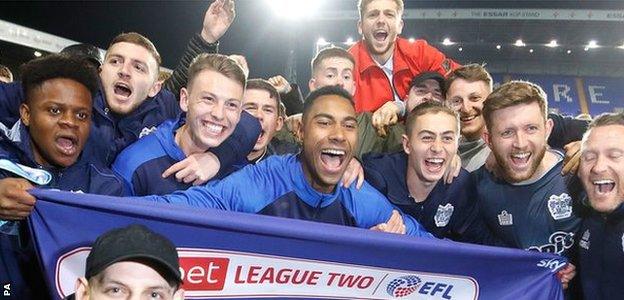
[329, 53]
[261, 84]
[362, 4]
[6, 72]
[218, 63]
[511, 94]
[137, 39]
[470, 73]
[607, 119]
[428, 107]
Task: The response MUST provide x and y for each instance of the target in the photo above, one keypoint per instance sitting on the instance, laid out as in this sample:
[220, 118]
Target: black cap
[86, 51]
[131, 243]
[426, 76]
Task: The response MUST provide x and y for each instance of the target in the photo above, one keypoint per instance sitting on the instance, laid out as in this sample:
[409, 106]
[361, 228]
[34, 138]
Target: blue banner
[604, 94]
[235, 255]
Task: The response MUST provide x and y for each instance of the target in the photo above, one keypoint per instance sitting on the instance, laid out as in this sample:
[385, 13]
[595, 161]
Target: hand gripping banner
[235, 255]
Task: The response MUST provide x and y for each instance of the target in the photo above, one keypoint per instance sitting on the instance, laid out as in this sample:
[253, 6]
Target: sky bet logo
[406, 285]
[203, 273]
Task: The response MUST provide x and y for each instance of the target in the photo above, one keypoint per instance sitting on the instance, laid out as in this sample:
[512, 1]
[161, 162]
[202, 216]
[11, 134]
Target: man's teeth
[466, 119]
[435, 160]
[521, 155]
[214, 128]
[604, 181]
[333, 152]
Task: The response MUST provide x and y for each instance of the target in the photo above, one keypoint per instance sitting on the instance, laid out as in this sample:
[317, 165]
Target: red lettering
[254, 271]
[269, 275]
[314, 277]
[331, 278]
[365, 282]
[283, 276]
[237, 277]
[348, 280]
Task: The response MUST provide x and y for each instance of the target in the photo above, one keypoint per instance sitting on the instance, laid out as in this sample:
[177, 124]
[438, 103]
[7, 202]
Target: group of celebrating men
[444, 154]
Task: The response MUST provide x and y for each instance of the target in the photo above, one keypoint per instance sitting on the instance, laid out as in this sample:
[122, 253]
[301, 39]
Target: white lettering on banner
[561, 91]
[217, 274]
[594, 94]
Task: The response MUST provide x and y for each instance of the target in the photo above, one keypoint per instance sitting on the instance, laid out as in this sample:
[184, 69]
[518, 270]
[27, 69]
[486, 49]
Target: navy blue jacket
[450, 210]
[543, 215]
[277, 187]
[18, 263]
[110, 134]
[601, 255]
[141, 164]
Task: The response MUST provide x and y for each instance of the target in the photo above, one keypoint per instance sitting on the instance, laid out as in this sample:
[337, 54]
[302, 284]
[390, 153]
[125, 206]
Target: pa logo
[403, 286]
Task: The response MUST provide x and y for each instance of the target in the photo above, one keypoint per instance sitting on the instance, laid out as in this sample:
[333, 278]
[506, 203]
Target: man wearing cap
[129, 262]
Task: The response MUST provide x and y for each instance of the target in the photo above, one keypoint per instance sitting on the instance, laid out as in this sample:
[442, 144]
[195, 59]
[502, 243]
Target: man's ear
[400, 29]
[486, 137]
[24, 114]
[359, 26]
[82, 289]
[184, 99]
[405, 142]
[312, 84]
[280, 123]
[549, 126]
[155, 88]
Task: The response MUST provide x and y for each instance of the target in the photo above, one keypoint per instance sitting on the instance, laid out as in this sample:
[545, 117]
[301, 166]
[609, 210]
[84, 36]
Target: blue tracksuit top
[277, 186]
[18, 262]
[543, 215]
[449, 211]
[141, 164]
[601, 255]
[110, 134]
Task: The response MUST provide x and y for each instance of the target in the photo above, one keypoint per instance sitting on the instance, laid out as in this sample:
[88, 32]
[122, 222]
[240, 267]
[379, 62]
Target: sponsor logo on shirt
[443, 215]
[560, 206]
[558, 243]
[584, 242]
[505, 219]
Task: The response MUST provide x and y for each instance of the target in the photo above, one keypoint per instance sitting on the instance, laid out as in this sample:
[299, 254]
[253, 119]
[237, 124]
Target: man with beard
[466, 89]
[385, 63]
[45, 150]
[412, 179]
[531, 205]
[601, 239]
[262, 101]
[131, 103]
[212, 105]
[305, 186]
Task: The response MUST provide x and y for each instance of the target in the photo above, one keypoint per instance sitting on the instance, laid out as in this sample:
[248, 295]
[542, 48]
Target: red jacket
[373, 88]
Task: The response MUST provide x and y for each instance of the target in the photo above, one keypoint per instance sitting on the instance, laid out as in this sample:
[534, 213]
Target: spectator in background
[601, 238]
[45, 150]
[85, 51]
[290, 93]
[212, 104]
[385, 63]
[5, 74]
[132, 262]
[262, 101]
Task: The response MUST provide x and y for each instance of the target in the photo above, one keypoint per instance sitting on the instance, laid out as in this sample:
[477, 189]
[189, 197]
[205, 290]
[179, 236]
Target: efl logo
[406, 285]
[203, 273]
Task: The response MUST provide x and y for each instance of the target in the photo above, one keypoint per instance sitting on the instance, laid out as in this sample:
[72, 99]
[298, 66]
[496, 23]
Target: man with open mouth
[212, 104]
[601, 238]
[131, 102]
[466, 89]
[530, 205]
[412, 179]
[305, 186]
[385, 63]
[45, 150]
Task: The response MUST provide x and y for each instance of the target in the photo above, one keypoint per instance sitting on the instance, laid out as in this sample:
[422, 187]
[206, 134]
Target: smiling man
[212, 102]
[532, 206]
[385, 63]
[304, 186]
[601, 239]
[412, 179]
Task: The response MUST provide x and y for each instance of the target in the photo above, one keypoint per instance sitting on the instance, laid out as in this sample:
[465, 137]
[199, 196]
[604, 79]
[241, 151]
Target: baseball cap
[130, 243]
[86, 51]
[426, 76]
